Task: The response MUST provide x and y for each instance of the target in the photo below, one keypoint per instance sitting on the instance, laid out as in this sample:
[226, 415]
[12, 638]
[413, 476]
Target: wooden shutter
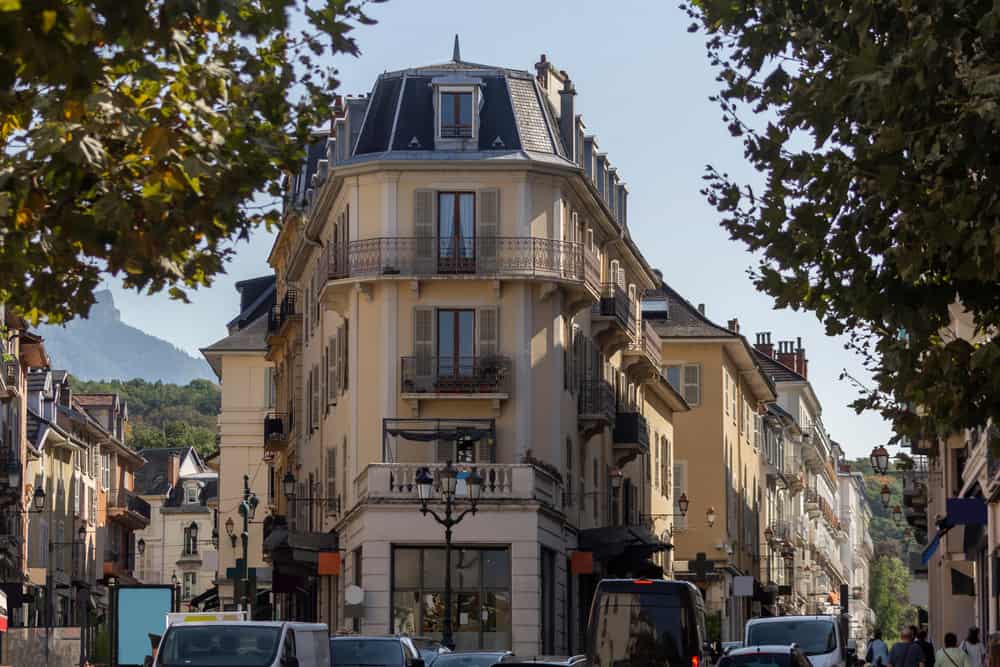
[487, 230]
[324, 391]
[423, 229]
[343, 357]
[331, 480]
[488, 331]
[423, 349]
[692, 384]
[315, 395]
[334, 373]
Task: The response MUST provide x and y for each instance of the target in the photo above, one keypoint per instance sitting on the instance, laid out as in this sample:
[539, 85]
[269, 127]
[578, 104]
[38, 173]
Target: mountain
[102, 347]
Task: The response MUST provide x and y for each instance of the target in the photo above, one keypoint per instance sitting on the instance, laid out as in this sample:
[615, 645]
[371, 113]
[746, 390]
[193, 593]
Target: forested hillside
[890, 537]
[165, 415]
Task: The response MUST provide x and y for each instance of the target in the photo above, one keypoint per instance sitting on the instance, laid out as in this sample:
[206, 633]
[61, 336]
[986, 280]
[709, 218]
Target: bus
[646, 623]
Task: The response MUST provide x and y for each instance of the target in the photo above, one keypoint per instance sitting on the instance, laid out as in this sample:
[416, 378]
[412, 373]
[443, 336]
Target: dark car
[765, 656]
[429, 649]
[358, 651]
[547, 660]
[471, 658]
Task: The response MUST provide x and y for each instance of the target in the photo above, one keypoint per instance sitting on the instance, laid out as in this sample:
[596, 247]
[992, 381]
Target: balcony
[284, 313]
[10, 376]
[456, 377]
[381, 483]
[613, 319]
[631, 433]
[118, 563]
[127, 508]
[643, 359]
[481, 257]
[277, 429]
[595, 406]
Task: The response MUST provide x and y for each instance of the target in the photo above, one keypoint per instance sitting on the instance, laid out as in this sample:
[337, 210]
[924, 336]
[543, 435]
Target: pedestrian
[951, 655]
[974, 648]
[905, 652]
[927, 647]
[878, 652]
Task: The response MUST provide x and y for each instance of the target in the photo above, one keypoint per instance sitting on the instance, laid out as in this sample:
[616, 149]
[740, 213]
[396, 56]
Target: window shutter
[324, 384]
[315, 395]
[423, 348]
[331, 480]
[423, 229]
[334, 376]
[488, 328]
[692, 384]
[487, 229]
[343, 356]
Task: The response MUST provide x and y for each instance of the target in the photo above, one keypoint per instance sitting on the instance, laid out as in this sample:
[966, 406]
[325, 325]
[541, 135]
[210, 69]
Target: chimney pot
[567, 119]
[701, 308]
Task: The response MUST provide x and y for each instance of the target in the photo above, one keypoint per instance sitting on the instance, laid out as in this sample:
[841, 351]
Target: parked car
[470, 658]
[823, 639]
[429, 649]
[729, 646]
[355, 650]
[248, 643]
[765, 656]
[548, 661]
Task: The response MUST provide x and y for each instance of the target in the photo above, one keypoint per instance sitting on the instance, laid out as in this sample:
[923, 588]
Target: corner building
[456, 282]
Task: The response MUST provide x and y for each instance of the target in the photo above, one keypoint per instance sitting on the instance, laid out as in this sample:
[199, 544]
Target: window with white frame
[456, 117]
[191, 494]
[686, 379]
[190, 583]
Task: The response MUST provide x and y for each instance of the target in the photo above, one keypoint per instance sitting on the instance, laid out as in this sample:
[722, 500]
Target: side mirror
[290, 661]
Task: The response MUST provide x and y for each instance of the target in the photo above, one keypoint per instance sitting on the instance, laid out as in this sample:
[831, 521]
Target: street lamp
[768, 534]
[248, 508]
[885, 494]
[448, 478]
[230, 531]
[880, 460]
[897, 513]
[710, 516]
[38, 499]
[141, 546]
[683, 504]
[288, 485]
[215, 539]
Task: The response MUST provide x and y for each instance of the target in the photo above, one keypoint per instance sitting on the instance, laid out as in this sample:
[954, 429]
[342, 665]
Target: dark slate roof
[777, 371]
[252, 337]
[683, 320]
[514, 118]
[151, 478]
[210, 491]
[38, 380]
[257, 296]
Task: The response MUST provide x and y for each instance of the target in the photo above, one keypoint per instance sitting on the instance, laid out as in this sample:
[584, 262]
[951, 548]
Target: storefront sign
[582, 562]
[328, 564]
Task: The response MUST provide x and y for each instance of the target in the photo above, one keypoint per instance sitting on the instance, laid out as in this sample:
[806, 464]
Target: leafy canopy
[874, 124]
[135, 134]
[890, 594]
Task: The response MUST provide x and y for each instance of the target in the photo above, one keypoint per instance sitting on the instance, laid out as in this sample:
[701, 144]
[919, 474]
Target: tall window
[456, 232]
[456, 115]
[686, 379]
[480, 595]
[191, 539]
[456, 331]
[190, 583]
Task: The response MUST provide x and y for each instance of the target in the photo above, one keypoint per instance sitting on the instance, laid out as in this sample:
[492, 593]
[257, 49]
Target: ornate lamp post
[885, 495]
[248, 509]
[449, 485]
[880, 460]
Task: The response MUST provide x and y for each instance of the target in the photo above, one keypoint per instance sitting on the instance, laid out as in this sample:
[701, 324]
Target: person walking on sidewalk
[951, 655]
[905, 652]
[974, 648]
[878, 652]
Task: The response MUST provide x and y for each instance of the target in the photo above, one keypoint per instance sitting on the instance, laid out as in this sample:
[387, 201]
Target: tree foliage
[135, 134]
[165, 415]
[874, 124]
[890, 580]
[890, 537]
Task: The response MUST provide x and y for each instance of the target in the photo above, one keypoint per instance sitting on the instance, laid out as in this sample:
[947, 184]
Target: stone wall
[25, 647]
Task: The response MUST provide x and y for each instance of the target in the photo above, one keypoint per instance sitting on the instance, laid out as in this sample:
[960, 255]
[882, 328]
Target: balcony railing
[284, 312]
[494, 256]
[631, 430]
[596, 399]
[11, 369]
[456, 375]
[648, 344]
[125, 502]
[380, 482]
[615, 304]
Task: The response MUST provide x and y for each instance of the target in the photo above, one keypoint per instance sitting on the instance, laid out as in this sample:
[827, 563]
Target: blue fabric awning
[964, 511]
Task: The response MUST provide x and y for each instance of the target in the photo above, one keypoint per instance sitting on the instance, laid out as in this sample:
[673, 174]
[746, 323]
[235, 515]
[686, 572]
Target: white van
[818, 637]
[244, 644]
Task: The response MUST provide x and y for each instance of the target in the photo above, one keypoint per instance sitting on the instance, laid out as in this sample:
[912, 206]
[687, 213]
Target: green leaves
[135, 133]
[892, 215]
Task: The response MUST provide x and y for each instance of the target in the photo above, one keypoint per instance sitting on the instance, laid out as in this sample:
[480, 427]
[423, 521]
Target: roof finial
[456, 55]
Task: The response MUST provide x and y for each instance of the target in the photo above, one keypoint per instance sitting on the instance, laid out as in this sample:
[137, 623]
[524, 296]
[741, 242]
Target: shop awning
[208, 598]
[614, 541]
[297, 554]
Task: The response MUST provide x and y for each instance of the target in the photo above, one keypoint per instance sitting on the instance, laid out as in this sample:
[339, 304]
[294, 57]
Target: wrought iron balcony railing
[631, 429]
[596, 399]
[123, 500]
[615, 303]
[493, 256]
[284, 312]
[648, 344]
[456, 375]
[277, 426]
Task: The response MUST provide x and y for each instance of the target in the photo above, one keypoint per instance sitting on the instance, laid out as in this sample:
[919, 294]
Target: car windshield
[361, 652]
[756, 660]
[814, 637]
[219, 646]
[641, 629]
[467, 659]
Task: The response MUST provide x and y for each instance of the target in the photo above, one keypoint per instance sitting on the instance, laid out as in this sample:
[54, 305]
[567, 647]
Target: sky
[643, 84]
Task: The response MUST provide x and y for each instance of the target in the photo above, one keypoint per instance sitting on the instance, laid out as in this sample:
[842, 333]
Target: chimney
[567, 119]
[701, 309]
[800, 358]
[601, 173]
[659, 276]
[733, 325]
[589, 150]
[542, 71]
[622, 205]
[580, 127]
[611, 191]
[764, 345]
[173, 469]
[786, 354]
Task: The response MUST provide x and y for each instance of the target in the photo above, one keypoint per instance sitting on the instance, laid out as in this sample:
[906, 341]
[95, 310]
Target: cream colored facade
[554, 403]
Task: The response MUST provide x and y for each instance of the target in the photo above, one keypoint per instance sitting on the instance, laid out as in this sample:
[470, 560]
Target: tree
[890, 580]
[874, 125]
[889, 536]
[136, 133]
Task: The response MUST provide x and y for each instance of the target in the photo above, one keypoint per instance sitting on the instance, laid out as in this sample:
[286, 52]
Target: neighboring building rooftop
[678, 318]
[153, 478]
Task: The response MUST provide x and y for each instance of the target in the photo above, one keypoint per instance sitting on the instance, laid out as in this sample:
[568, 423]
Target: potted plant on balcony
[491, 374]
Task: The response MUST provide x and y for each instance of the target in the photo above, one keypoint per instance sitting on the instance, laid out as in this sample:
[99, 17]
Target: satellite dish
[354, 595]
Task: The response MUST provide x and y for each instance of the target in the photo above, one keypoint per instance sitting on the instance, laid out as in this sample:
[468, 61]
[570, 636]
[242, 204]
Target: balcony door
[456, 232]
[456, 343]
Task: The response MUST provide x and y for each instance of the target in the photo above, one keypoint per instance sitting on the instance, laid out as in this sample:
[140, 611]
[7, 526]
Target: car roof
[374, 638]
[257, 624]
[779, 619]
[763, 648]
[547, 660]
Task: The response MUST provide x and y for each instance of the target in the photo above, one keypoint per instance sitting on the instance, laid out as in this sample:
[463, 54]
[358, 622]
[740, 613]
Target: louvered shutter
[315, 395]
[488, 328]
[692, 384]
[343, 357]
[487, 229]
[324, 391]
[423, 230]
[331, 480]
[423, 349]
[334, 362]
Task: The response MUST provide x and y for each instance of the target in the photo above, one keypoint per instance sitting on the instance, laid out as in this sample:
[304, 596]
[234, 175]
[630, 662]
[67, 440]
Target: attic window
[456, 114]
[191, 494]
[658, 309]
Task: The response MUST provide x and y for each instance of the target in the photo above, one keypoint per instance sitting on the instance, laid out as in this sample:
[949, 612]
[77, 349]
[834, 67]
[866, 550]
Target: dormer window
[191, 494]
[456, 114]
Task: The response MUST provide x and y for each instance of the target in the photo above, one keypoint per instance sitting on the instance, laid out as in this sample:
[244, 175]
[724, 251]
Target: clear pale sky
[643, 83]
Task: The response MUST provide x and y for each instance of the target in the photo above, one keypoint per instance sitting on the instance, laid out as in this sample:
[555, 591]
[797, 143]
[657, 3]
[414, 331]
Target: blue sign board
[140, 620]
